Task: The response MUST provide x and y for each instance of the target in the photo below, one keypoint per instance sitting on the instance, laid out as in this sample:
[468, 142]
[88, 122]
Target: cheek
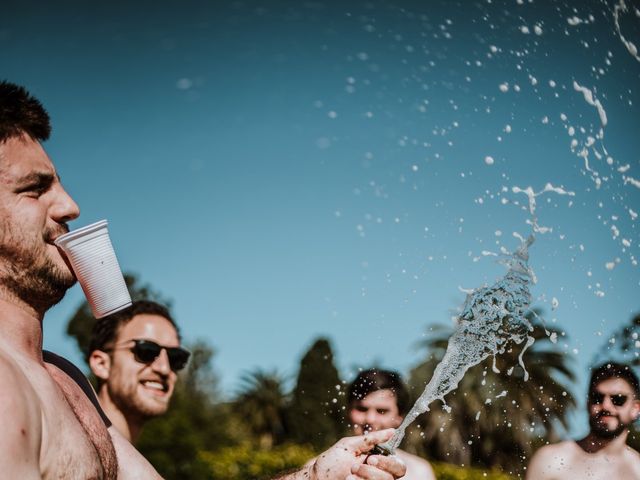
[124, 374]
[357, 417]
[172, 381]
[393, 422]
[387, 421]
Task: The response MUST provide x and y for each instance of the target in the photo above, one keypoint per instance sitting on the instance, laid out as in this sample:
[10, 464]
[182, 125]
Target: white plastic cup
[94, 262]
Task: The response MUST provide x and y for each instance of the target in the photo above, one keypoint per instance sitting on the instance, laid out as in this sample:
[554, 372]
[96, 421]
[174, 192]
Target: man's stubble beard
[600, 430]
[135, 408]
[31, 276]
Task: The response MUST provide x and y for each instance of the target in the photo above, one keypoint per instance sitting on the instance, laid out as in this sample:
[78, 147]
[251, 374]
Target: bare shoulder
[552, 459]
[565, 449]
[417, 468]
[633, 457]
[20, 422]
[17, 396]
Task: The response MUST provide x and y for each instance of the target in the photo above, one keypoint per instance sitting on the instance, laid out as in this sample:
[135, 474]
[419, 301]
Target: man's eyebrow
[36, 178]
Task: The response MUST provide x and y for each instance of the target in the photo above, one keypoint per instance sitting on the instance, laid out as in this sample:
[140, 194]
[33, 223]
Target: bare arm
[20, 427]
[131, 464]
[348, 459]
[417, 467]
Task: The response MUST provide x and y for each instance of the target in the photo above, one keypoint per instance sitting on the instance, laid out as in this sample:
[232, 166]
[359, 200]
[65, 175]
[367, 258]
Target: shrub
[446, 471]
[245, 461]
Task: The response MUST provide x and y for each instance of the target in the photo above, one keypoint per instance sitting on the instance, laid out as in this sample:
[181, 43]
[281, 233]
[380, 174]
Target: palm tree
[623, 345]
[495, 417]
[260, 403]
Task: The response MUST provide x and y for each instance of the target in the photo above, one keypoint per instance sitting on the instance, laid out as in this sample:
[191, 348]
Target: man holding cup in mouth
[49, 427]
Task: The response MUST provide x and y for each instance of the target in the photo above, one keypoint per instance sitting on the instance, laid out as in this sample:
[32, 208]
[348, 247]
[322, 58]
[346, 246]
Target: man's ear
[100, 364]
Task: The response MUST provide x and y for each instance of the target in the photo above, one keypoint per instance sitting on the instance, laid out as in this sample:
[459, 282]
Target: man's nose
[161, 363]
[607, 404]
[371, 418]
[63, 208]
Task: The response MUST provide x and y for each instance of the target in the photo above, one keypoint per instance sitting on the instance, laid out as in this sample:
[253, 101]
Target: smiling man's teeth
[154, 385]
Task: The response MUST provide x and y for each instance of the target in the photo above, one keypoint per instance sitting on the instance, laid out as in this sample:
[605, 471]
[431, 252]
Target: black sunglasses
[618, 400]
[146, 351]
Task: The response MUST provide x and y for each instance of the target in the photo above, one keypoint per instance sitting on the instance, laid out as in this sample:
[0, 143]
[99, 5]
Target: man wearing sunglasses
[613, 405]
[135, 355]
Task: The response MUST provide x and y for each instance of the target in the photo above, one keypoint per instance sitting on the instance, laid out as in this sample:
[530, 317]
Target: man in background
[378, 399]
[613, 405]
[135, 355]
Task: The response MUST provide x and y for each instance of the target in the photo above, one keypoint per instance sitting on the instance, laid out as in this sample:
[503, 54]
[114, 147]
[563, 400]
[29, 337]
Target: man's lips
[606, 416]
[52, 234]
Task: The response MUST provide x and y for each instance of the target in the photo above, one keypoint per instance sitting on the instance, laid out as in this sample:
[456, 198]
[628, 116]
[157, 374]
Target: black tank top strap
[77, 376]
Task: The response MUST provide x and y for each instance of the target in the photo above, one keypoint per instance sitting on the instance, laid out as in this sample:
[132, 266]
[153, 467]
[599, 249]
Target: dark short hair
[21, 113]
[374, 379]
[615, 370]
[106, 329]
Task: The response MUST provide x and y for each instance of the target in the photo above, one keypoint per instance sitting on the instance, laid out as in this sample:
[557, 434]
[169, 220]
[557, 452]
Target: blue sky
[283, 170]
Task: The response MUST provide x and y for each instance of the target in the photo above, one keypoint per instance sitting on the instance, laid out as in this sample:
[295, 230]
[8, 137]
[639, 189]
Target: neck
[21, 326]
[129, 428]
[593, 443]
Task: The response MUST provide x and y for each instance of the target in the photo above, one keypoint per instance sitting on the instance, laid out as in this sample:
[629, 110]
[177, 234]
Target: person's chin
[152, 405]
[157, 408]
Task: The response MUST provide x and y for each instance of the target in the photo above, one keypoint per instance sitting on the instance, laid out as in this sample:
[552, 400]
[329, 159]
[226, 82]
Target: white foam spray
[492, 319]
[621, 6]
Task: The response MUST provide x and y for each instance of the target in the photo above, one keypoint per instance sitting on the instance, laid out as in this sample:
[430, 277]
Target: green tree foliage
[316, 411]
[81, 323]
[261, 406]
[623, 345]
[246, 462]
[495, 418]
[446, 471]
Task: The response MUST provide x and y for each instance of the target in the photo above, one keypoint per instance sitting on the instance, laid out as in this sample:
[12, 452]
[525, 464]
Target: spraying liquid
[493, 318]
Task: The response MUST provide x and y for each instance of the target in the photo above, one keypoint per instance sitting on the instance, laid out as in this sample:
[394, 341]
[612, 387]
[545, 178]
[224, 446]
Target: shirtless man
[378, 399]
[613, 405]
[49, 428]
